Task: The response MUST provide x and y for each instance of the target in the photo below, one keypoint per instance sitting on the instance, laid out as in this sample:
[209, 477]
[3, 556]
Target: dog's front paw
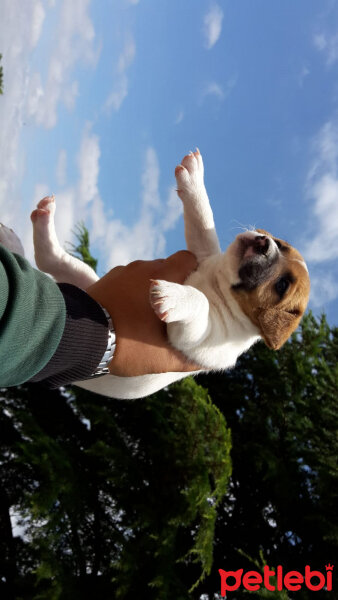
[189, 176]
[10, 240]
[168, 300]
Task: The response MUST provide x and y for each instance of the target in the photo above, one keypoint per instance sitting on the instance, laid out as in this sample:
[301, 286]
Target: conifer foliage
[111, 496]
[282, 409]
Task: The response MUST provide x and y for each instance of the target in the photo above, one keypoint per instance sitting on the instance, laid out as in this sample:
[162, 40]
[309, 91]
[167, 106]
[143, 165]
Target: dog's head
[270, 283]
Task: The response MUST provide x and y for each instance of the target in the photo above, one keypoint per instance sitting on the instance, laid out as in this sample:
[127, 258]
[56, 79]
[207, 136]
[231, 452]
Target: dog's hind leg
[50, 257]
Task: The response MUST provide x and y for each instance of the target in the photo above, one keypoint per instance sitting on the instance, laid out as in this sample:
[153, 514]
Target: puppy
[258, 288]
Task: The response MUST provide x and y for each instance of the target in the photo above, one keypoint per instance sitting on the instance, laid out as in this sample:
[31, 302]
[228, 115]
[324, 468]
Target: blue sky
[102, 99]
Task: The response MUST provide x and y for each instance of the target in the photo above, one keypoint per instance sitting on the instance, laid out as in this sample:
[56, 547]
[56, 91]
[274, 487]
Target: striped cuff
[83, 342]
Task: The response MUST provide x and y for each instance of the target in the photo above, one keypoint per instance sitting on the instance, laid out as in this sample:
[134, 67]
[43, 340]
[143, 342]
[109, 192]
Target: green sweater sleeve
[32, 319]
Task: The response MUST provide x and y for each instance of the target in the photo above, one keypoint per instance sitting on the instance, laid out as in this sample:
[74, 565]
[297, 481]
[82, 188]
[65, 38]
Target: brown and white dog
[257, 289]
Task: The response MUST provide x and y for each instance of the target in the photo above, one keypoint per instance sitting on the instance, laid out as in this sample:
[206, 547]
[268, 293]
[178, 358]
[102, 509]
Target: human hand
[142, 344]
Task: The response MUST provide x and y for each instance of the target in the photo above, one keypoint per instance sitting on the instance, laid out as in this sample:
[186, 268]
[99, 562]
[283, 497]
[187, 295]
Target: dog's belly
[130, 388]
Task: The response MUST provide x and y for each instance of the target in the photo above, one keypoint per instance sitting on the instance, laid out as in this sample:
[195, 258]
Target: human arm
[40, 333]
[32, 319]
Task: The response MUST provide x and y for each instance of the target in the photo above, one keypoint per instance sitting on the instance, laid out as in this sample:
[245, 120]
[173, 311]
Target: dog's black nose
[261, 244]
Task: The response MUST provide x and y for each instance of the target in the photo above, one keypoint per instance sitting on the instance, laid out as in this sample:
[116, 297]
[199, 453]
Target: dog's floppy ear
[277, 325]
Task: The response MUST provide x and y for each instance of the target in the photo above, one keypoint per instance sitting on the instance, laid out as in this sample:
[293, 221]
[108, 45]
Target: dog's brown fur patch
[277, 318]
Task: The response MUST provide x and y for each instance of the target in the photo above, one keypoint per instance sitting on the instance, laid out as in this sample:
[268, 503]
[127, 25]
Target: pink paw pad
[46, 201]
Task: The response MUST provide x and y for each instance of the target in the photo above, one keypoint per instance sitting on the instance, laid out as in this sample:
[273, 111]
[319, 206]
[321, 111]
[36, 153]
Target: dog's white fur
[205, 319]
[207, 330]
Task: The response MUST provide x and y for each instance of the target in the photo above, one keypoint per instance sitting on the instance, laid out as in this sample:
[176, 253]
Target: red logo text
[292, 580]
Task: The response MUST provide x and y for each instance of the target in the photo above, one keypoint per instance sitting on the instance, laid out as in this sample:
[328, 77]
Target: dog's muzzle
[259, 254]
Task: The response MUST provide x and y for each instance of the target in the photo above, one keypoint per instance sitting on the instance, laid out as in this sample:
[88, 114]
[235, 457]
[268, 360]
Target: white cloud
[145, 238]
[324, 243]
[35, 94]
[173, 210]
[127, 56]
[61, 168]
[326, 151]
[118, 94]
[98, 217]
[213, 25]
[320, 41]
[25, 96]
[120, 86]
[20, 28]
[322, 189]
[324, 289]
[305, 72]
[216, 90]
[213, 89]
[150, 181]
[88, 164]
[73, 42]
[179, 117]
[38, 18]
[320, 248]
[67, 215]
[328, 45]
[70, 94]
[73, 203]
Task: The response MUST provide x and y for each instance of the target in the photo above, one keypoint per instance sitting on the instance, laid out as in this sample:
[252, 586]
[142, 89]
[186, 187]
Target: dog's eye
[282, 286]
[295, 312]
[282, 247]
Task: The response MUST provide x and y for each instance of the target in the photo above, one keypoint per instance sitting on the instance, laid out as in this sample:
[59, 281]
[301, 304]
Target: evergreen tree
[114, 497]
[81, 250]
[282, 410]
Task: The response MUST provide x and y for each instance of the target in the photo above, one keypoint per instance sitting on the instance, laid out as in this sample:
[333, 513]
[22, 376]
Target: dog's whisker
[243, 227]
